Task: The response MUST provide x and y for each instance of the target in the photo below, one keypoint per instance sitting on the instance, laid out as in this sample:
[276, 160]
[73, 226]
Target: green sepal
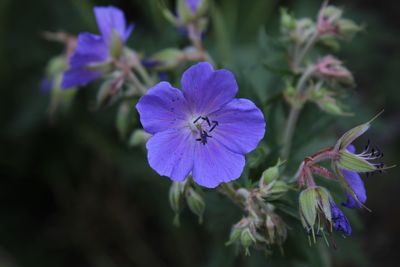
[288, 22]
[116, 44]
[348, 28]
[324, 203]
[175, 195]
[185, 14]
[196, 203]
[352, 162]
[169, 16]
[247, 239]
[346, 185]
[125, 119]
[138, 137]
[234, 235]
[353, 134]
[308, 204]
[168, 59]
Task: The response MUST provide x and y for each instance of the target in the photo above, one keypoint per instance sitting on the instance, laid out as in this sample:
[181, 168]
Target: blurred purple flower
[93, 49]
[203, 130]
[340, 222]
[193, 5]
[356, 184]
[46, 85]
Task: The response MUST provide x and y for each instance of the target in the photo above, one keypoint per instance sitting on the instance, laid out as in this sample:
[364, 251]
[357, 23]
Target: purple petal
[46, 85]
[214, 164]
[128, 32]
[163, 107]
[90, 49]
[351, 148]
[78, 77]
[193, 5]
[111, 18]
[170, 153]
[241, 126]
[207, 90]
[340, 221]
[355, 182]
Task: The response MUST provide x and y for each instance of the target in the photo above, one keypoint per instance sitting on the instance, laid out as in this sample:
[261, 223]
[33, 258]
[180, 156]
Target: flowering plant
[205, 140]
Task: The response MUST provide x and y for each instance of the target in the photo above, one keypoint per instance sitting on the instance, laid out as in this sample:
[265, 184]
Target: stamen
[203, 134]
[371, 154]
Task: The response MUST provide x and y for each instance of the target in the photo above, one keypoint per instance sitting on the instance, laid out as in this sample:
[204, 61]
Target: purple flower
[356, 184]
[340, 222]
[95, 50]
[202, 130]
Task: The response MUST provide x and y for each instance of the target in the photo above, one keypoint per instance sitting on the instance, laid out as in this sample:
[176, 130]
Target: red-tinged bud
[330, 22]
[333, 69]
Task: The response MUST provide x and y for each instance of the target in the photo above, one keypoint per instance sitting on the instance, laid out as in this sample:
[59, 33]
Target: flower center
[204, 126]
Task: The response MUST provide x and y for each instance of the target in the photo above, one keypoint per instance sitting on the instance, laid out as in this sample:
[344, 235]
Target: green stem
[289, 130]
[295, 113]
[143, 73]
[132, 77]
[230, 191]
[296, 109]
[299, 58]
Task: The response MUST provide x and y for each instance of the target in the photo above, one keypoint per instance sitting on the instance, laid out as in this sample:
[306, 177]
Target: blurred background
[73, 194]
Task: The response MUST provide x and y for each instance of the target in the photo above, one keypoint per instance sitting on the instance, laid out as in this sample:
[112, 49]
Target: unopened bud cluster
[262, 228]
[320, 79]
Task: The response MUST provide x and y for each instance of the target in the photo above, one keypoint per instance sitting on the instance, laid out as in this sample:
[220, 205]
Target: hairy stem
[132, 77]
[294, 113]
[311, 42]
[145, 76]
[289, 130]
[230, 191]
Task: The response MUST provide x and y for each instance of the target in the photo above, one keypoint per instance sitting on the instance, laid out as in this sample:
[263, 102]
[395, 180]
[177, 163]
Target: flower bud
[304, 31]
[330, 22]
[314, 203]
[138, 137]
[176, 192]
[269, 186]
[196, 203]
[189, 10]
[125, 119]
[333, 69]
[270, 174]
[326, 102]
[348, 28]
[327, 19]
[166, 59]
[288, 22]
[236, 231]
[276, 229]
[347, 138]
[247, 239]
[60, 99]
[116, 44]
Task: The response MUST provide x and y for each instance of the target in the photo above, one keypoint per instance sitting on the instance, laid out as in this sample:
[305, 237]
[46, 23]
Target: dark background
[73, 194]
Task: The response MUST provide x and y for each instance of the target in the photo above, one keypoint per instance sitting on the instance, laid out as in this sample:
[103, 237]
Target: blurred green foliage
[73, 194]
